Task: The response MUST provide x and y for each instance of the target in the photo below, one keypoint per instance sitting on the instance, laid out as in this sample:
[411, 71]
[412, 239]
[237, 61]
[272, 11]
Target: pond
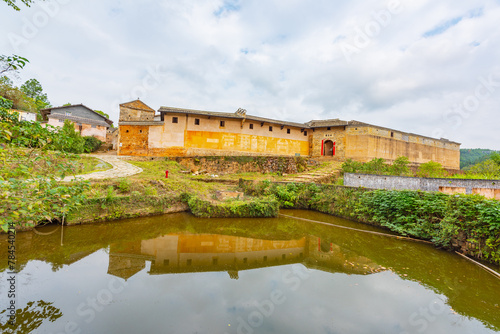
[180, 274]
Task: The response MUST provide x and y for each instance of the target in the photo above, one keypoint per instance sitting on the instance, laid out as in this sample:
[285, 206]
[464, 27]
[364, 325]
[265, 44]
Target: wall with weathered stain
[336, 134]
[487, 188]
[203, 134]
[186, 138]
[135, 111]
[237, 136]
[133, 140]
[366, 143]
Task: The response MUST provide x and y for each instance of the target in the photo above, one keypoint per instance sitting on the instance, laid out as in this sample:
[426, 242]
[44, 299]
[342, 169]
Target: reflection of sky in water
[319, 302]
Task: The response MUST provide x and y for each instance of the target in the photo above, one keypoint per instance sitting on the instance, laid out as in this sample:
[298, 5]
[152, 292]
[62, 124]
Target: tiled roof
[309, 125]
[48, 111]
[326, 123]
[79, 119]
[230, 115]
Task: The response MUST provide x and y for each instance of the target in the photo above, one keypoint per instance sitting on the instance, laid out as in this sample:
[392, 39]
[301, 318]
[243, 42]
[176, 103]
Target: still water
[181, 274]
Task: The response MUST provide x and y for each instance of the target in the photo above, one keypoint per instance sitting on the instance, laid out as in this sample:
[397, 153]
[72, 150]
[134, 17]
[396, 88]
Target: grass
[88, 165]
[152, 181]
[51, 165]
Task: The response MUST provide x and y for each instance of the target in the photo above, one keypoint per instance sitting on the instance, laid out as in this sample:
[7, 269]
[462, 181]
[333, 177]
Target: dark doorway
[329, 148]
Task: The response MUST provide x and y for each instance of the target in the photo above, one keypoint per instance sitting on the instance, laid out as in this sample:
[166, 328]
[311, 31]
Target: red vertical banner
[322, 146]
[334, 148]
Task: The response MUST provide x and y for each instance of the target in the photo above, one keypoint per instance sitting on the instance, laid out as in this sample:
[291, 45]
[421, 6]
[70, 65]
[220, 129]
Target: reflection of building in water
[178, 253]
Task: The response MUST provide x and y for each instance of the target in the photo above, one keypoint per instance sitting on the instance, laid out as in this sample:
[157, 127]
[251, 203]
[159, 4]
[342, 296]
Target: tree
[19, 99]
[496, 158]
[33, 89]
[400, 166]
[102, 113]
[12, 63]
[488, 168]
[12, 3]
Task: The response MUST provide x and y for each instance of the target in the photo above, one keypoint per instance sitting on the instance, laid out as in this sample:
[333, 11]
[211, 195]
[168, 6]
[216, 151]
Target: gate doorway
[329, 148]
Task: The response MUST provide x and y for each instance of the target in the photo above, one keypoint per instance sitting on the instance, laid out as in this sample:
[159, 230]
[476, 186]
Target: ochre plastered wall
[187, 137]
[133, 140]
[236, 135]
[367, 143]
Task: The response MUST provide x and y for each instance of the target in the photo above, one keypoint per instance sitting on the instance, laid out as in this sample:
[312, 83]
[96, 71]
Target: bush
[91, 144]
[375, 166]
[124, 185]
[68, 139]
[4, 103]
[400, 167]
[431, 169]
[351, 166]
[260, 207]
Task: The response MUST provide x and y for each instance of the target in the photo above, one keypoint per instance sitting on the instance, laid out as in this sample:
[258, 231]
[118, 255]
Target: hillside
[470, 157]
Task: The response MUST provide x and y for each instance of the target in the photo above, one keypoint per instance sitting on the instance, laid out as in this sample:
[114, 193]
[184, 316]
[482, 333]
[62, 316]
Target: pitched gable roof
[46, 112]
[137, 104]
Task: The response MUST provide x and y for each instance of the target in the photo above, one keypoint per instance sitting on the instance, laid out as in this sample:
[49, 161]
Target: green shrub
[351, 166]
[431, 169]
[124, 185]
[260, 207]
[110, 194]
[400, 167]
[91, 144]
[375, 166]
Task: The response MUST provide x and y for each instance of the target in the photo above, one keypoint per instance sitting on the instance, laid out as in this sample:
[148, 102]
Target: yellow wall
[365, 147]
[244, 143]
[209, 138]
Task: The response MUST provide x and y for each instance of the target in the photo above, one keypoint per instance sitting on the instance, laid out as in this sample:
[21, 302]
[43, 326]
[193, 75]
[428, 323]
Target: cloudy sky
[428, 67]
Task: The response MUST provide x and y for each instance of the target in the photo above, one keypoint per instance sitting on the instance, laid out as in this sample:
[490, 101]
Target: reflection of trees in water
[29, 318]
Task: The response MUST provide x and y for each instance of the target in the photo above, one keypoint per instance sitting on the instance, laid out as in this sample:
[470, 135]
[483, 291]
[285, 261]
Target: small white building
[25, 115]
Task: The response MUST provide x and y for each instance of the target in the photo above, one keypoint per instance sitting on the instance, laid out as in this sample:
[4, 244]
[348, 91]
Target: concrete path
[120, 169]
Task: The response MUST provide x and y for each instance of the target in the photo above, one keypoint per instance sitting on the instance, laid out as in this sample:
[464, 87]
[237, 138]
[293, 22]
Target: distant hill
[470, 157]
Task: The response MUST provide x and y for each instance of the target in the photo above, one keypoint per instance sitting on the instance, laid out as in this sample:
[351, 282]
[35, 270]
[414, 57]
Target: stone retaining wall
[487, 188]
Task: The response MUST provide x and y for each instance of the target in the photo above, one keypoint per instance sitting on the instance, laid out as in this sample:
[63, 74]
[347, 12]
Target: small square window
[270, 128]
[175, 119]
[222, 124]
[328, 128]
[189, 262]
[215, 261]
[245, 260]
[93, 126]
[68, 113]
[305, 133]
[392, 134]
[250, 126]
[288, 131]
[196, 121]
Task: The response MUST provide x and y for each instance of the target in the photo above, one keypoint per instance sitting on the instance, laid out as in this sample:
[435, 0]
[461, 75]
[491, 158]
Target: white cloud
[280, 59]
